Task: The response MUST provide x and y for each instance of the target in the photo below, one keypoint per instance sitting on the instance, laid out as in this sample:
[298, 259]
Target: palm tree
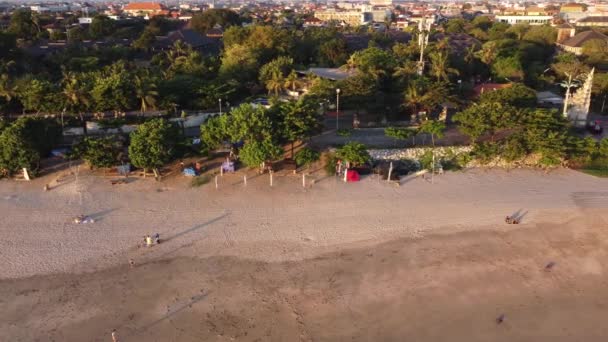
[440, 66]
[407, 69]
[292, 81]
[488, 52]
[275, 83]
[145, 91]
[414, 98]
[75, 96]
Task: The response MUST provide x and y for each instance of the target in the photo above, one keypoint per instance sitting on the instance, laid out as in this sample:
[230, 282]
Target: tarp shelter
[352, 176]
[189, 172]
[228, 166]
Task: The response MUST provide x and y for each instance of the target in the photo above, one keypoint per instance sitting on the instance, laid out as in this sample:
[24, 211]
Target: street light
[337, 106]
[220, 101]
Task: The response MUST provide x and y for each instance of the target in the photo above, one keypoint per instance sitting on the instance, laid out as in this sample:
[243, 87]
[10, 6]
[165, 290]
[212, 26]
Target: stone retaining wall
[416, 152]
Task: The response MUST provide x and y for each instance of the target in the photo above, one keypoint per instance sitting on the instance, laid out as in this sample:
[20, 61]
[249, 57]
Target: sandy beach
[364, 261]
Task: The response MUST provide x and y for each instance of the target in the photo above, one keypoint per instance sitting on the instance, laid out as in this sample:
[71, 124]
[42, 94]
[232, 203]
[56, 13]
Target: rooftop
[583, 37]
[145, 6]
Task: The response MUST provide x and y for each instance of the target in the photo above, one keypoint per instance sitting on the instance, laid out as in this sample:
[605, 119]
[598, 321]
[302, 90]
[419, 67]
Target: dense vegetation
[258, 59]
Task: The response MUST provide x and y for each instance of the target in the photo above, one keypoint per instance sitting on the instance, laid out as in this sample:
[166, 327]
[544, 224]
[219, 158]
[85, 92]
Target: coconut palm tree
[292, 81]
[405, 70]
[275, 84]
[440, 66]
[76, 97]
[145, 91]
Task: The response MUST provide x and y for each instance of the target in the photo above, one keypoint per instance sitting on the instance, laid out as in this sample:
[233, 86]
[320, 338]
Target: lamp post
[220, 101]
[337, 107]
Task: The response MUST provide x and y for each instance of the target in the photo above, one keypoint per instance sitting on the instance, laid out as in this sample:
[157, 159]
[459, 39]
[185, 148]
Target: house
[575, 44]
[595, 21]
[142, 9]
[197, 41]
[313, 22]
[564, 32]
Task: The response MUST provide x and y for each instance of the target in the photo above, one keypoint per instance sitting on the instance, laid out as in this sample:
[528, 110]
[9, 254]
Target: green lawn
[595, 172]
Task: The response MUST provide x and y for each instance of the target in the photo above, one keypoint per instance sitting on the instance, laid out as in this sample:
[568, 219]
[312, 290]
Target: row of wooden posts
[390, 171]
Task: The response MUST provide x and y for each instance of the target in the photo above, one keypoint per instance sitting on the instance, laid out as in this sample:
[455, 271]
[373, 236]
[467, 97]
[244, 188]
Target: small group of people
[152, 240]
[511, 220]
[83, 219]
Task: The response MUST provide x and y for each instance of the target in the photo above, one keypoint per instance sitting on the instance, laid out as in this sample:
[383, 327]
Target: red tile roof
[144, 6]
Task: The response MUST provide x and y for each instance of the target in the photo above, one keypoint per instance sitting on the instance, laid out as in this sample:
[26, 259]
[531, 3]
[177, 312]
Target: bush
[485, 152]
[99, 152]
[306, 156]
[344, 132]
[200, 180]
[426, 160]
[353, 152]
[514, 149]
[254, 153]
[330, 164]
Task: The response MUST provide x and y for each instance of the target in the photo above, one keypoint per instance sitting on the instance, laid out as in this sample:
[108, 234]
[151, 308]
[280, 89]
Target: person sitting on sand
[515, 221]
[508, 220]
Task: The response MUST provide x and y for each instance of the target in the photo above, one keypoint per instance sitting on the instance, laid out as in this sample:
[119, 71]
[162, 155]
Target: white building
[525, 19]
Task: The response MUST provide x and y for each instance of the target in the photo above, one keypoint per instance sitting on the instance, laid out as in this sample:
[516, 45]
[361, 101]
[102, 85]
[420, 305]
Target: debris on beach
[549, 266]
[500, 319]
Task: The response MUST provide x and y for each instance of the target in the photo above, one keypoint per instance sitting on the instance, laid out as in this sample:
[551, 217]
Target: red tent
[352, 176]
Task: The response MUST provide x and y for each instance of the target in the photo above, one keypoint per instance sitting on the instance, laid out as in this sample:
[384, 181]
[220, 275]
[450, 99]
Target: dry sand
[336, 262]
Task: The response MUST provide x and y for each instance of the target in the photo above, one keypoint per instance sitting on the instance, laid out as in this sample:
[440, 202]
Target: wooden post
[270, 178]
[245, 180]
[215, 182]
[433, 170]
[390, 171]
[303, 180]
[345, 174]
[339, 167]
[222, 171]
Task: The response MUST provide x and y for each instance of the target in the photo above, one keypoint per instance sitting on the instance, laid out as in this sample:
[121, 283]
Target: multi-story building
[351, 18]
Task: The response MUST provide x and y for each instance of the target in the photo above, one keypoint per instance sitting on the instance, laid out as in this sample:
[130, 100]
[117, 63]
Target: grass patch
[596, 172]
[200, 180]
[597, 167]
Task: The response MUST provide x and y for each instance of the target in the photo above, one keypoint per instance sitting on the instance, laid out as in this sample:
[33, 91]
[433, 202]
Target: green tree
[306, 156]
[23, 25]
[517, 95]
[519, 30]
[353, 152]
[101, 27]
[214, 132]
[76, 96]
[279, 66]
[17, 151]
[145, 41]
[208, 19]
[484, 118]
[292, 81]
[398, 133]
[99, 152]
[145, 91]
[256, 153]
[373, 61]
[440, 66]
[299, 120]
[153, 144]
[508, 68]
[275, 84]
